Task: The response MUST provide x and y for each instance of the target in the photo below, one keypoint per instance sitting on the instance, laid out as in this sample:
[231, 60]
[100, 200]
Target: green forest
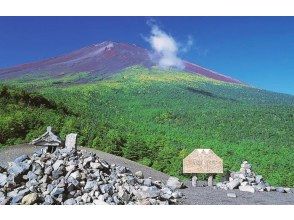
[157, 118]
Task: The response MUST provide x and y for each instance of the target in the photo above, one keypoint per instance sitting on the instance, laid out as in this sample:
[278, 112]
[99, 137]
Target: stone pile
[68, 177]
[246, 180]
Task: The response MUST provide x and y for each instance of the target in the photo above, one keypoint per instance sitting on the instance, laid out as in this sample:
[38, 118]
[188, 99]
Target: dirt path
[193, 195]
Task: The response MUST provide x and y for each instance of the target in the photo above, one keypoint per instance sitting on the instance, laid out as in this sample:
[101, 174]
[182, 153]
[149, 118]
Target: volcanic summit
[100, 60]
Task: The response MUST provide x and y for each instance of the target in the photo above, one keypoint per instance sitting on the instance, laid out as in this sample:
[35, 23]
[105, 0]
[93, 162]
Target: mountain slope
[100, 60]
[157, 117]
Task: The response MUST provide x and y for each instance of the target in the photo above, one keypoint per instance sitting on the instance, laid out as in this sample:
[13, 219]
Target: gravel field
[192, 195]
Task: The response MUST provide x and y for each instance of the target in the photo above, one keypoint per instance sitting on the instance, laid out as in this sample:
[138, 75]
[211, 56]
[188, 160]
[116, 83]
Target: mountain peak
[104, 44]
[101, 59]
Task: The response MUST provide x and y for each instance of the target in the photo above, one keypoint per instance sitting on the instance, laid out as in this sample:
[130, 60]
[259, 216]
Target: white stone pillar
[70, 141]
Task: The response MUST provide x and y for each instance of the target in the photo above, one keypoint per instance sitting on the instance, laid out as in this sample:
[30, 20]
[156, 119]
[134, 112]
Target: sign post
[203, 161]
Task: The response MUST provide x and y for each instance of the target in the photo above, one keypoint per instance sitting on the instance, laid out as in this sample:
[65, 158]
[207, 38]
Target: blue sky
[256, 50]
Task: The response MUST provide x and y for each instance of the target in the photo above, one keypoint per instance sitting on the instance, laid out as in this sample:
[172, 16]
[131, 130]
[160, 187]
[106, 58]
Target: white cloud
[165, 49]
[185, 48]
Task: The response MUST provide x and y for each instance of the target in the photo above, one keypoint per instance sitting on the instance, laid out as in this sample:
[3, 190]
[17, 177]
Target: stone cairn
[246, 180]
[68, 176]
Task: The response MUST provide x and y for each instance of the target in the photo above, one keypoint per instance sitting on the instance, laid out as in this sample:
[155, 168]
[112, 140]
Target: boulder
[56, 192]
[148, 192]
[16, 199]
[3, 179]
[70, 202]
[231, 195]
[105, 188]
[99, 202]
[87, 160]
[233, 184]
[147, 182]
[48, 170]
[245, 183]
[260, 186]
[5, 201]
[139, 175]
[21, 159]
[16, 169]
[48, 200]
[247, 189]
[166, 193]
[90, 185]
[176, 195]
[258, 178]
[76, 175]
[174, 183]
[123, 195]
[29, 199]
[95, 165]
[31, 176]
[280, 189]
[57, 164]
[287, 190]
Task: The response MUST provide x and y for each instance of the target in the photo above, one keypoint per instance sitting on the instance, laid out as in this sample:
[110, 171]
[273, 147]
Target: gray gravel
[192, 195]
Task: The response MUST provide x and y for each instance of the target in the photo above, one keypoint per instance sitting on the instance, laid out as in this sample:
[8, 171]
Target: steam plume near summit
[165, 48]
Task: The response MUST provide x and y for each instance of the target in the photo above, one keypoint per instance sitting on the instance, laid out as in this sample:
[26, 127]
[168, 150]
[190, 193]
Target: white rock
[3, 179]
[57, 164]
[287, 190]
[99, 202]
[76, 175]
[29, 199]
[258, 178]
[174, 183]
[233, 184]
[231, 195]
[247, 189]
[176, 195]
[244, 183]
[95, 165]
[268, 188]
[147, 192]
[70, 202]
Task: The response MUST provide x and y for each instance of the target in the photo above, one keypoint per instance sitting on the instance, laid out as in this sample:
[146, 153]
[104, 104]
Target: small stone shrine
[49, 140]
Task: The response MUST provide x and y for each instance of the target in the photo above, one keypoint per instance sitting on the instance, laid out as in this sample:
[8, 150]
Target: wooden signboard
[202, 161]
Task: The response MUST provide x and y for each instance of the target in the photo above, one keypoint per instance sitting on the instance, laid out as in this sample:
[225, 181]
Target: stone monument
[70, 141]
[203, 161]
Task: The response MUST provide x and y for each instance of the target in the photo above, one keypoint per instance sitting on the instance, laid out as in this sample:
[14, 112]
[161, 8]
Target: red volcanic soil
[194, 68]
[98, 59]
[102, 59]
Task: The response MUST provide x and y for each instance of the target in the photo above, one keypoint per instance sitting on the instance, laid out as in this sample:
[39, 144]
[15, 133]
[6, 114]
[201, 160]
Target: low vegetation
[157, 118]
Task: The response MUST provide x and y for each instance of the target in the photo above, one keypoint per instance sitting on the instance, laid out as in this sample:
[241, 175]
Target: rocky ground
[69, 177]
[191, 195]
[248, 181]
